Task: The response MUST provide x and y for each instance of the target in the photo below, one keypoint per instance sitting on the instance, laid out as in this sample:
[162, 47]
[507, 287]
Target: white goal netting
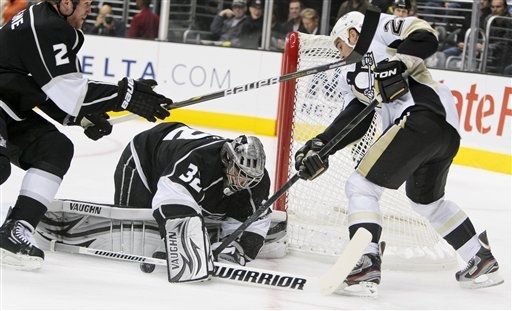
[317, 209]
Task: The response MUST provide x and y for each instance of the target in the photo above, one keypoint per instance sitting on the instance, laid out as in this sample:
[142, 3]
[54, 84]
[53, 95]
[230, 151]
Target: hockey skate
[364, 277]
[482, 269]
[17, 247]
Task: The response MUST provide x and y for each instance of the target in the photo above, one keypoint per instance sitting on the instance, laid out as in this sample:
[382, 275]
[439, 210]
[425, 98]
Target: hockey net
[317, 210]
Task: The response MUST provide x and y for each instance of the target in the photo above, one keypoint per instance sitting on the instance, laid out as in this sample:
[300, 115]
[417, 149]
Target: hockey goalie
[200, 187]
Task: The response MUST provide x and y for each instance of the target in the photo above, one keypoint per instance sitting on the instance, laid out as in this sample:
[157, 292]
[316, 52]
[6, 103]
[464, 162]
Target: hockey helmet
[74, 2]
[342, 27]
[403, 4]
[244, 163]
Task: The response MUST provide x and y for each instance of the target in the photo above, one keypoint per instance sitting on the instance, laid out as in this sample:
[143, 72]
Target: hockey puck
[147, 267]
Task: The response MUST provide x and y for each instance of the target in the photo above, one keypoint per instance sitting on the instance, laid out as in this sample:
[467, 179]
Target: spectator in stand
[227, 25]
[401, 8]
[456, 50]
[413, 11]
[106, 24]
[294, 22]
[252, 26]
[145, 24]
[485, 10]
[353, 5]
[500, 38]
[310, 21]
[11, 8]
[276, 40]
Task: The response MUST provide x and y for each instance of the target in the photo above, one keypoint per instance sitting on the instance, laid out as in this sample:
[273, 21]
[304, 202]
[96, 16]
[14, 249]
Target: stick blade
[347, 260]
[370, 24]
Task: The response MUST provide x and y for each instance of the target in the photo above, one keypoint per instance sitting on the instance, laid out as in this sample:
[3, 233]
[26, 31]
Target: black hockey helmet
[403, 4]
[74, 2]
[244, 163]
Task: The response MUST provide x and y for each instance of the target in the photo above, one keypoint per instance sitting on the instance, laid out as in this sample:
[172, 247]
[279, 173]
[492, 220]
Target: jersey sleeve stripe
[100, 100]
[9, 112]
[36, 39]
[136, 159]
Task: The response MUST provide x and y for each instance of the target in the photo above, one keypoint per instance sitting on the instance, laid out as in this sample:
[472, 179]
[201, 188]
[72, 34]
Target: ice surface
[80, 282]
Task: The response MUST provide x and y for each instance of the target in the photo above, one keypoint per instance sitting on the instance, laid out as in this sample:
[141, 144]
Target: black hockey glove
[234, 252]
[138, 97]
[389, 81]
[95, 125]
[308, 161]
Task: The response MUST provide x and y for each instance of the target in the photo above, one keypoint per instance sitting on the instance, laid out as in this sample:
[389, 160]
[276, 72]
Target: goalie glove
[389, 81]
[95, 125]
[234, 252]
[138, 97]
[308, 161]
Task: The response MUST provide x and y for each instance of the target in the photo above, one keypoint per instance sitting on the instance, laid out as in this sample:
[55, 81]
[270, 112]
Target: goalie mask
[344, 24]
[244, 163]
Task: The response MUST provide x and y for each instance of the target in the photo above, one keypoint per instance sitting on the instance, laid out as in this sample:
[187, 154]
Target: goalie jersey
[182, 166]
[39, 66]
[409, 40]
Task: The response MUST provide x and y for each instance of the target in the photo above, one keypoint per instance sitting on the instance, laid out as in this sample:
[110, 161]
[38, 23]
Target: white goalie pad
[130, 230]
[276, 241]
[99, 226]
[189, 256]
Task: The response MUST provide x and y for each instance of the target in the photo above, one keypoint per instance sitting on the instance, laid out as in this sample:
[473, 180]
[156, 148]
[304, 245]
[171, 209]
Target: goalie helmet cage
[317, 210]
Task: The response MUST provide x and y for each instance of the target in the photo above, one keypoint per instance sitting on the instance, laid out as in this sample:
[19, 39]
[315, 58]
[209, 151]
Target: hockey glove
[308, 161]
[234, 252]
[389, 81]
[138, 97]
[95, 125]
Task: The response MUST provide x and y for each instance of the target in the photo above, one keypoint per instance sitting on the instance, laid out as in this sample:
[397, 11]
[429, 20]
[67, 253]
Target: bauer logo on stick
[251, 86]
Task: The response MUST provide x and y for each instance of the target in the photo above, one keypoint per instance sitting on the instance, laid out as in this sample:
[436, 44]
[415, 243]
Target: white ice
[79, 282]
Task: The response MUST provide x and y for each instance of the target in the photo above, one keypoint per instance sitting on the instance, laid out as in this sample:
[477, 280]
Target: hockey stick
[370, 23]
[238, 274]
[253, 276]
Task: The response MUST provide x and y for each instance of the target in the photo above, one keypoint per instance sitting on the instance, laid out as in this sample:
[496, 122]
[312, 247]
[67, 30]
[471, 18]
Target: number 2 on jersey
[60, 56]
[190, 178]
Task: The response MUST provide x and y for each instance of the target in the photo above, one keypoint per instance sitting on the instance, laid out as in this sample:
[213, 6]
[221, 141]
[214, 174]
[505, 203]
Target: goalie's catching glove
[95, 125]
[234, 252]
[389, 81]
[308, 161]
[138, 97]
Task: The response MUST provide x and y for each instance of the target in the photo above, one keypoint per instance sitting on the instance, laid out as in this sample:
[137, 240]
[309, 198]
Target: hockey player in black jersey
[417, 147]
[39, 67]
[186, 175]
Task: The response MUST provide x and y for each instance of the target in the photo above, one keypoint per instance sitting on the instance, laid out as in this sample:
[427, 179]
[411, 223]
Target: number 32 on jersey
[191, 178]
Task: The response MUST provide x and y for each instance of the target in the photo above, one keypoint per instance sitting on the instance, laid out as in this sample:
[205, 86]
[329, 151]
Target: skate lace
[469, 266]
[363, 262]
[23, 233]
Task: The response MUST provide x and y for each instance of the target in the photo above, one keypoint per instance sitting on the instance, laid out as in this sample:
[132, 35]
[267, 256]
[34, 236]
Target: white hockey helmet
[348, 21]
[244, 163]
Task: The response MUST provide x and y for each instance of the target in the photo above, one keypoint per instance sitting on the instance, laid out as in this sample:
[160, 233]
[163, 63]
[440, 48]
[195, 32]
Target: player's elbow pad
[420, 43]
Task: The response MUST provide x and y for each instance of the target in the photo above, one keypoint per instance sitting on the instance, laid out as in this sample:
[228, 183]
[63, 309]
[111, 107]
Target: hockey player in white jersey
[417, 147]
[186, 175]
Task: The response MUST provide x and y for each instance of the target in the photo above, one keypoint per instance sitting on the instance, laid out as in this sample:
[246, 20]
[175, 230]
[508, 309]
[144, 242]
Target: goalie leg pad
[188, 250]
